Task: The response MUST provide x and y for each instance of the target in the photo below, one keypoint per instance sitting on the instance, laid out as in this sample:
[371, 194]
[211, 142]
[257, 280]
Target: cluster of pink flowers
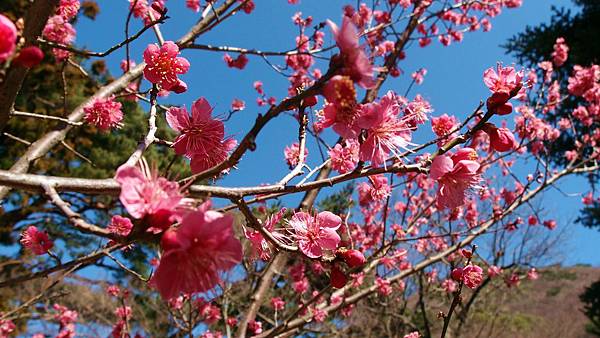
[194, 253]
[344, 156]
[142, 9]
[68, 9]
[163, 65]
[59, 30]
[260, 246]
[202, 137]
[119, 225]
[36, 241]
[292, 154]
[104, 113]
[66, 318]
[504, 83]
[239, 62]
[7, 327]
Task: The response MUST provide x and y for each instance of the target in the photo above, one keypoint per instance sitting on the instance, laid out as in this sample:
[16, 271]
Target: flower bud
[29, 57]
[457, 274]
[337, 278]
[501, 139]
[353, 258]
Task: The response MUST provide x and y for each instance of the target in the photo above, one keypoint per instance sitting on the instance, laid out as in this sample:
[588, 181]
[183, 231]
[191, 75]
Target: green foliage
[591, 299]
[340, 202]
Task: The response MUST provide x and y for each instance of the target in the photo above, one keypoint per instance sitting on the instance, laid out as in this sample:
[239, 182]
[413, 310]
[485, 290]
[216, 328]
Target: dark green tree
[581, 29]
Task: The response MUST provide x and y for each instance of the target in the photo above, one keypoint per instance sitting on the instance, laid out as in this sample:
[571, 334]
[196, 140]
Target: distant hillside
[548, 307]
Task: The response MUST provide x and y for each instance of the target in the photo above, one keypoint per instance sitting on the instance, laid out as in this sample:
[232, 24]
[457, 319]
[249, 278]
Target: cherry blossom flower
[356, 64]
[163, 65]
[419, 75]
[383, 286]
[238, 105]
[501, 139]
[36, 241]
[494, 271]
[193, 5]
[455, 176]
[58, 30]
[120, 225]
[68, 9]
[344, 158]
[386, 133]
[341, 111]
[443, 125]
[292, 154]
[202, 136]
[414, 334]
[6, 327]
[277, 303]
[104, 113]
[503, 82]
[240, 62]
[8, 38]
[449, 285]
[560, 53]
[315, 234]
[472, 276]
[193, 254]
[145, 194]
[260, 246]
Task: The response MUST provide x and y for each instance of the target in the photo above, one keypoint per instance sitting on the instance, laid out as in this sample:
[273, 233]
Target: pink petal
[441, 165]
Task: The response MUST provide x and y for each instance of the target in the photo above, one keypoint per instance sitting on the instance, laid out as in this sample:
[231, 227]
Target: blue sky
[453, 83]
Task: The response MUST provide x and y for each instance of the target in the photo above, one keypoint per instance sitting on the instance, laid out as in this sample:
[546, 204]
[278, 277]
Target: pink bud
[337, 279]
[29, 57]
[457, 274]
[354, 258]
[501, 139]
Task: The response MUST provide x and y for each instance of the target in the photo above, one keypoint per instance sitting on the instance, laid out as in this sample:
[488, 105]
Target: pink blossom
[255, 326]
[163, 65]
[240, 62]
[504, 83]
[193, 5]
[194, 253]
[449, 285]
[356, 65]
[550, 224]
[8, 38]
[560, 53]
[419, 75]
[472, 276]
[202, 136]
[120, 225]
[513, 281]
[583, 80]
[292, 154]
[383, 286]
[68, 9]
[36, 241]
[260, 246]
[238, 105]
[532, 274]
[344, 158]
[378, 190]
[353, 258]
[386, 132]
[316, 233]
[113, 290]
[58, 30]
[144, 193]
[123, 312]
[6, 327]
[455, 175]
[277, 303]
[340, 112]
[494, 271]
[104, 113]
[414, 334]
[442, 126]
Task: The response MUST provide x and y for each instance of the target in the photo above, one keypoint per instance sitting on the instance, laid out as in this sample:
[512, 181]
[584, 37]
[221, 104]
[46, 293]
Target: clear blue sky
[453, 83]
